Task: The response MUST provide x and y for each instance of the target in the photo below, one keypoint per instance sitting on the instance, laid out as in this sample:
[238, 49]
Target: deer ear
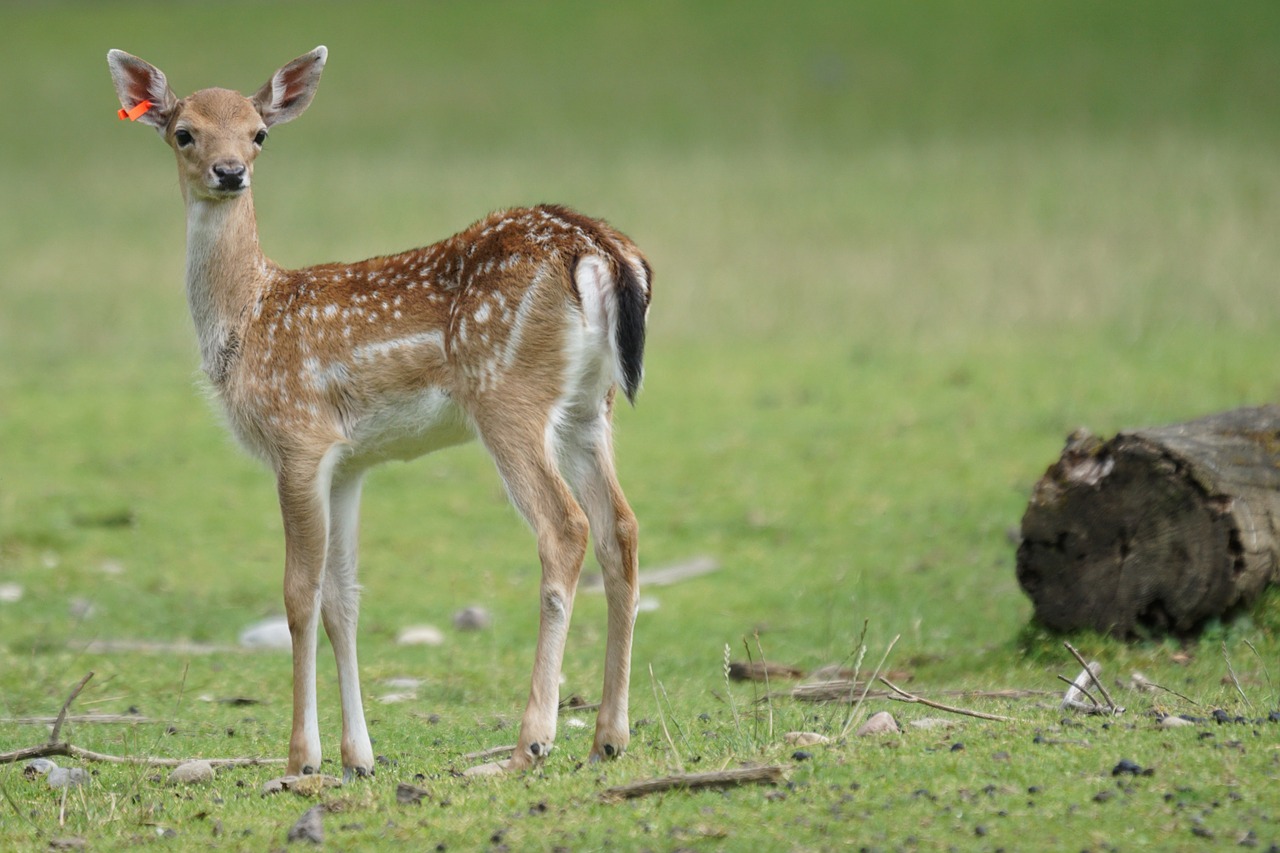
[289, 91]
[137, 81]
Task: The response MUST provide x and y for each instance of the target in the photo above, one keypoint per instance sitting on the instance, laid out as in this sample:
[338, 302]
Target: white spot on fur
[368, 352]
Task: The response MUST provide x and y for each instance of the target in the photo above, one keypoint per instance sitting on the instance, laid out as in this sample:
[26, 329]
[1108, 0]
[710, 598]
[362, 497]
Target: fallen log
[1156, 530]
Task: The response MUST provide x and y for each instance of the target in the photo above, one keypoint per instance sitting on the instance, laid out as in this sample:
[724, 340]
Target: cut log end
[1155, 531]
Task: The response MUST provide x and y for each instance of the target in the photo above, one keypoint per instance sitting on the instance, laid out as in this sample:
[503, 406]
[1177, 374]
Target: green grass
[901, 250]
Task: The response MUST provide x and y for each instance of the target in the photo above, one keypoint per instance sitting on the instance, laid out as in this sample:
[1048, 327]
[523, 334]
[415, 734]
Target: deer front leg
[340, 608]
[304, 508]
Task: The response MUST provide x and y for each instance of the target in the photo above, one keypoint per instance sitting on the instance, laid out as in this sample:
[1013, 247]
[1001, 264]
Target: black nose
[230, 175]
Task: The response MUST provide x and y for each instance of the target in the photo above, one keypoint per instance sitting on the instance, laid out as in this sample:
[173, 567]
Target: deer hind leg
[525, 461]
[304, 505]
[340, 608]
[590, 469]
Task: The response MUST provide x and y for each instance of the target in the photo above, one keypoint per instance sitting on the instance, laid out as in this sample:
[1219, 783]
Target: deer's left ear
[289, 91]
[137, 81]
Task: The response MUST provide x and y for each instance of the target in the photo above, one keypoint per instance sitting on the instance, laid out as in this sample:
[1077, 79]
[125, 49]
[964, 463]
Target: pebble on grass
[191, 773]
[879, 723]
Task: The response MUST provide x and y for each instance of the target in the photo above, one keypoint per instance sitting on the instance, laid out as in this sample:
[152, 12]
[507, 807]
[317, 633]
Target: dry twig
[72, 751]
[62, 714]
[762, 671]
[769, 775]
[904, 696]
[1231, 671]
[492, 752]
[1115, 709]
[89, 719]
[1079, 688]
[845, 690]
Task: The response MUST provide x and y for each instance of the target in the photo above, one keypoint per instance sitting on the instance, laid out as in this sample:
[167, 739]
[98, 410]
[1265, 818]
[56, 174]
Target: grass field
[900, 251]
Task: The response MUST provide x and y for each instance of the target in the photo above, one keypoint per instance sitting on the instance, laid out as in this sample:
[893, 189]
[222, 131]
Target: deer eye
[260, 138]
[183, 137]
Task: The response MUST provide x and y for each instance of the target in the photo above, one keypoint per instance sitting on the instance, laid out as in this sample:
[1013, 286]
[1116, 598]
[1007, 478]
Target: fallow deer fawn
[517, 330]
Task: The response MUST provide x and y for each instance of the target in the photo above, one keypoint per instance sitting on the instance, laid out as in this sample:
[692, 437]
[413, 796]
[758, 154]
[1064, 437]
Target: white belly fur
[408, 426]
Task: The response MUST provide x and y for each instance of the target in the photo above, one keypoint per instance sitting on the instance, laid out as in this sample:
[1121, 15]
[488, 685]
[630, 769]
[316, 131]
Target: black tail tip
[633, 306]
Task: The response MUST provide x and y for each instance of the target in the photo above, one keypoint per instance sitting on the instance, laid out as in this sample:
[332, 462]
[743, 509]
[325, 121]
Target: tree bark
[1157, 530]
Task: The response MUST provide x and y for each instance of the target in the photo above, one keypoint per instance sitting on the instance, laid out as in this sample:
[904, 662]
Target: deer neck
[226, 274]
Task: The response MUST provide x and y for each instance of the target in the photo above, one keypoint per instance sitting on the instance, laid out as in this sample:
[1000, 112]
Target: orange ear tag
[135, 113]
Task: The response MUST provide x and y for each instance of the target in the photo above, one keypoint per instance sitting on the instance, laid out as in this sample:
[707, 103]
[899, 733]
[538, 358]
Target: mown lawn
[900, 252]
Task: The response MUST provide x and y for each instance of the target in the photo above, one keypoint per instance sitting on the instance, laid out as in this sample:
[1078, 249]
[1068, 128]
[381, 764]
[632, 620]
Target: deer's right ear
[137, 81]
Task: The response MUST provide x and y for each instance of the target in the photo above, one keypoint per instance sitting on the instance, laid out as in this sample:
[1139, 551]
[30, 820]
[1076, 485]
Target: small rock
[38, 767]
[880, 723]
[280, 783]
[575, 723]
[304, 786]
[420, 635]
[81, 608]
[801, 755]
[10, 593]
[493, 768]
[66, 777]
[805, 738]
[474, 618]
[191, 773]
[1140, 683]
[72, 843]
[310, 827]
[1173, 721]
[929, 723]
[313, 784]
[271, 633]
[410, 795]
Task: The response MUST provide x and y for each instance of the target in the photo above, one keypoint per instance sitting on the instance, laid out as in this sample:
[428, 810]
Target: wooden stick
[1174, 692]
[62, 715]
[770, 774]
[1070, 700]
[492, 752]
[1115, 709]
[904, 696]
[127, 719]
[844, 690]
[72, 751]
